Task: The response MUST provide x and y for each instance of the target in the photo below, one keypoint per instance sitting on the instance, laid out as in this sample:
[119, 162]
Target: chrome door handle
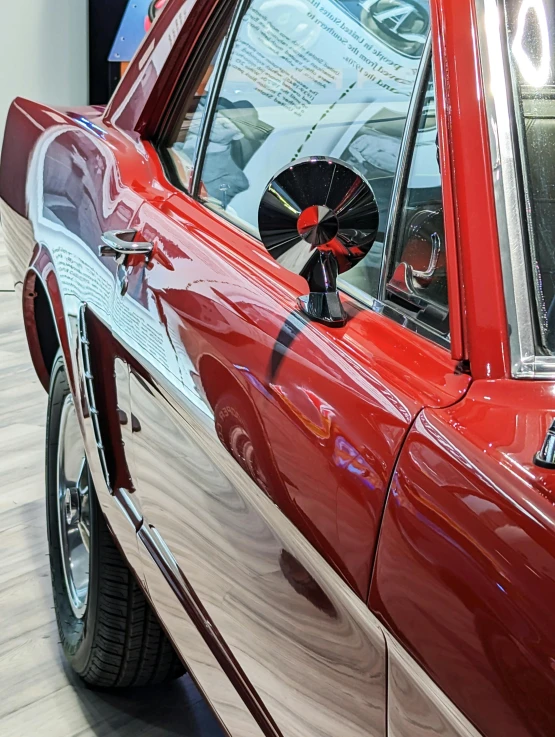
[120, 243]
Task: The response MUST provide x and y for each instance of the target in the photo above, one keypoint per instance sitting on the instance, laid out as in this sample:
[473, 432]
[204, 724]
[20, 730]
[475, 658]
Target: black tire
[118, 641]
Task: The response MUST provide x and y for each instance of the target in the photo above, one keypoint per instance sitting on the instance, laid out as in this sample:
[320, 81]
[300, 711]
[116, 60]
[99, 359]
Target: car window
[417, 277]
[530, 33]
[183, 148]
[306, 78]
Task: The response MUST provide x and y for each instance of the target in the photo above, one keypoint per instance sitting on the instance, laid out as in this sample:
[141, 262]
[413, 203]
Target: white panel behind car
[43, 52]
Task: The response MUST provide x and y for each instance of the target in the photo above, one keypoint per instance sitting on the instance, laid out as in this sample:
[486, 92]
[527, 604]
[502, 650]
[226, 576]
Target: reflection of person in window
[375, 151]
[221, 176]
[235, 135]
[245, 116]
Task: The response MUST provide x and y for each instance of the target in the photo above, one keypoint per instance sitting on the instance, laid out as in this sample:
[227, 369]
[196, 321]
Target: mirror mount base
[324, 307]
[323, 304]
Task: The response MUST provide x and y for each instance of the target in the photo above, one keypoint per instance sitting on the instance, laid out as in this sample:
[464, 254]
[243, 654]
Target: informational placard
[131, 31]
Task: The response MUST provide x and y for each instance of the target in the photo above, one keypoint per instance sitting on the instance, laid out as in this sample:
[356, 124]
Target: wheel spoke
[73, 509]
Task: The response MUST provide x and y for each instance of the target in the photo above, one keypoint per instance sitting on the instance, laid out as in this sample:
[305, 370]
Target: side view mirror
[318, 218]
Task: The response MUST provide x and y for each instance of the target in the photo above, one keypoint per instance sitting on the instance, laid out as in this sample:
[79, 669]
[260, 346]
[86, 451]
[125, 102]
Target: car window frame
[379, 303]
[188, 85]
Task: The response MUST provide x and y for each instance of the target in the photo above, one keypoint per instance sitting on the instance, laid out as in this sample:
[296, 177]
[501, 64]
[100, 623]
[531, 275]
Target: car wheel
[107, 629]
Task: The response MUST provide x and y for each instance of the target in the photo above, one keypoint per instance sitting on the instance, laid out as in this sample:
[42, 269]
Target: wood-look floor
[39, 696]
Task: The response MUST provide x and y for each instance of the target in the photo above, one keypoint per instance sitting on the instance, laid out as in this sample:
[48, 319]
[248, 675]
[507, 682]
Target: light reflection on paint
[347, 457]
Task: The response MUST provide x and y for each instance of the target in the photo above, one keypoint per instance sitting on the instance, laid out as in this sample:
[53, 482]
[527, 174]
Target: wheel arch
[44, 320]
[217, 380]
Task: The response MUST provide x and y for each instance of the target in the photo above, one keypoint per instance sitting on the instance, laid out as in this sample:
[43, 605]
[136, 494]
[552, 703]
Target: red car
[292, 295]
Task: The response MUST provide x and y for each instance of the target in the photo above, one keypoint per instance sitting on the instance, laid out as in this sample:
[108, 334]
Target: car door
[262, 444]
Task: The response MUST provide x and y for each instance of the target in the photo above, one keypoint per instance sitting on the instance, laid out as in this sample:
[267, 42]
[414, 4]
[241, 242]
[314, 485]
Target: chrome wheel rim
[73, 509]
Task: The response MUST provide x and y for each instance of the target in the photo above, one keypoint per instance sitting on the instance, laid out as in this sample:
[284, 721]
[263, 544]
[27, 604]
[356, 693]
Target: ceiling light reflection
[537, 76]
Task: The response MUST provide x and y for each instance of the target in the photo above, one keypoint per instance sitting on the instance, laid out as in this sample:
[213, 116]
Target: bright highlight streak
[537, 76]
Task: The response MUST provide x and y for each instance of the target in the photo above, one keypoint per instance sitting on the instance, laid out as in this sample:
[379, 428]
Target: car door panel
[465, 570]
[208, 667]
[234, 325]
[212, 328]
[299, 635]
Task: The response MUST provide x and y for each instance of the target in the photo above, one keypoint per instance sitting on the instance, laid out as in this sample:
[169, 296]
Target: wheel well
[40, 327]
[46, 327]
[217, 379]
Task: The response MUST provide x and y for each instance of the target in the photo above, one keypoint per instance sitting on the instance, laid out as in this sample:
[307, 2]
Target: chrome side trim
[207, 672]
[417, 707]
[162, 555]
[311, 650]
[129, 508]
[508, 203]
[542, 367]
[89, 390]
[123, 518]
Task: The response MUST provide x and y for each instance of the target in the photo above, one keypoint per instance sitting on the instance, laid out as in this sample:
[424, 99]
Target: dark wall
[104, 19]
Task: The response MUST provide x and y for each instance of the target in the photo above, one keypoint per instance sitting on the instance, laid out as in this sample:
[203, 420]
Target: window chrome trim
[525, 363]
[397, 314]
[404, 164]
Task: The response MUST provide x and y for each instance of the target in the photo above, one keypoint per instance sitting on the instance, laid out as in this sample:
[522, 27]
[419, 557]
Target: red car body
[403, 509]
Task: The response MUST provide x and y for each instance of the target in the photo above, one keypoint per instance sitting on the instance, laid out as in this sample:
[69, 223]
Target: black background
[104, 19]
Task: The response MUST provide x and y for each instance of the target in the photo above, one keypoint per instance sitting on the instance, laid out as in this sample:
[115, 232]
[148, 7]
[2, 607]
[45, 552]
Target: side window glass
[182, 152]
[313, 78]
[417, 276]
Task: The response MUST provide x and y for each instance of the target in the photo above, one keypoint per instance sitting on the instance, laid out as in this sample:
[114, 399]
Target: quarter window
[417, 278]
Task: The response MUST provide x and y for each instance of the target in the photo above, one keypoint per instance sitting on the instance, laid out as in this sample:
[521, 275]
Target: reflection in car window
[417, 280]
[182, 152]
[312, 77]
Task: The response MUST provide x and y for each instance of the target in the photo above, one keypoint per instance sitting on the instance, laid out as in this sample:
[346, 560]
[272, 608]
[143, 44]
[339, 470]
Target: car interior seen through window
[417, 280]
[306, 78]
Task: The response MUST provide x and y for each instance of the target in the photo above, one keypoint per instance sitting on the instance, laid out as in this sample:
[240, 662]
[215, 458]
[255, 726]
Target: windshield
[531, 33]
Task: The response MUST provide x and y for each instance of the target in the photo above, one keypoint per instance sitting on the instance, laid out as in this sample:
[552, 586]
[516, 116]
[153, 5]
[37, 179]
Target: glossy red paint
[439, 58]
[42, 269]
[465, 572]
[465, 569]
[462, 114]
[333, 470]
[326, 449]
[31, 332]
